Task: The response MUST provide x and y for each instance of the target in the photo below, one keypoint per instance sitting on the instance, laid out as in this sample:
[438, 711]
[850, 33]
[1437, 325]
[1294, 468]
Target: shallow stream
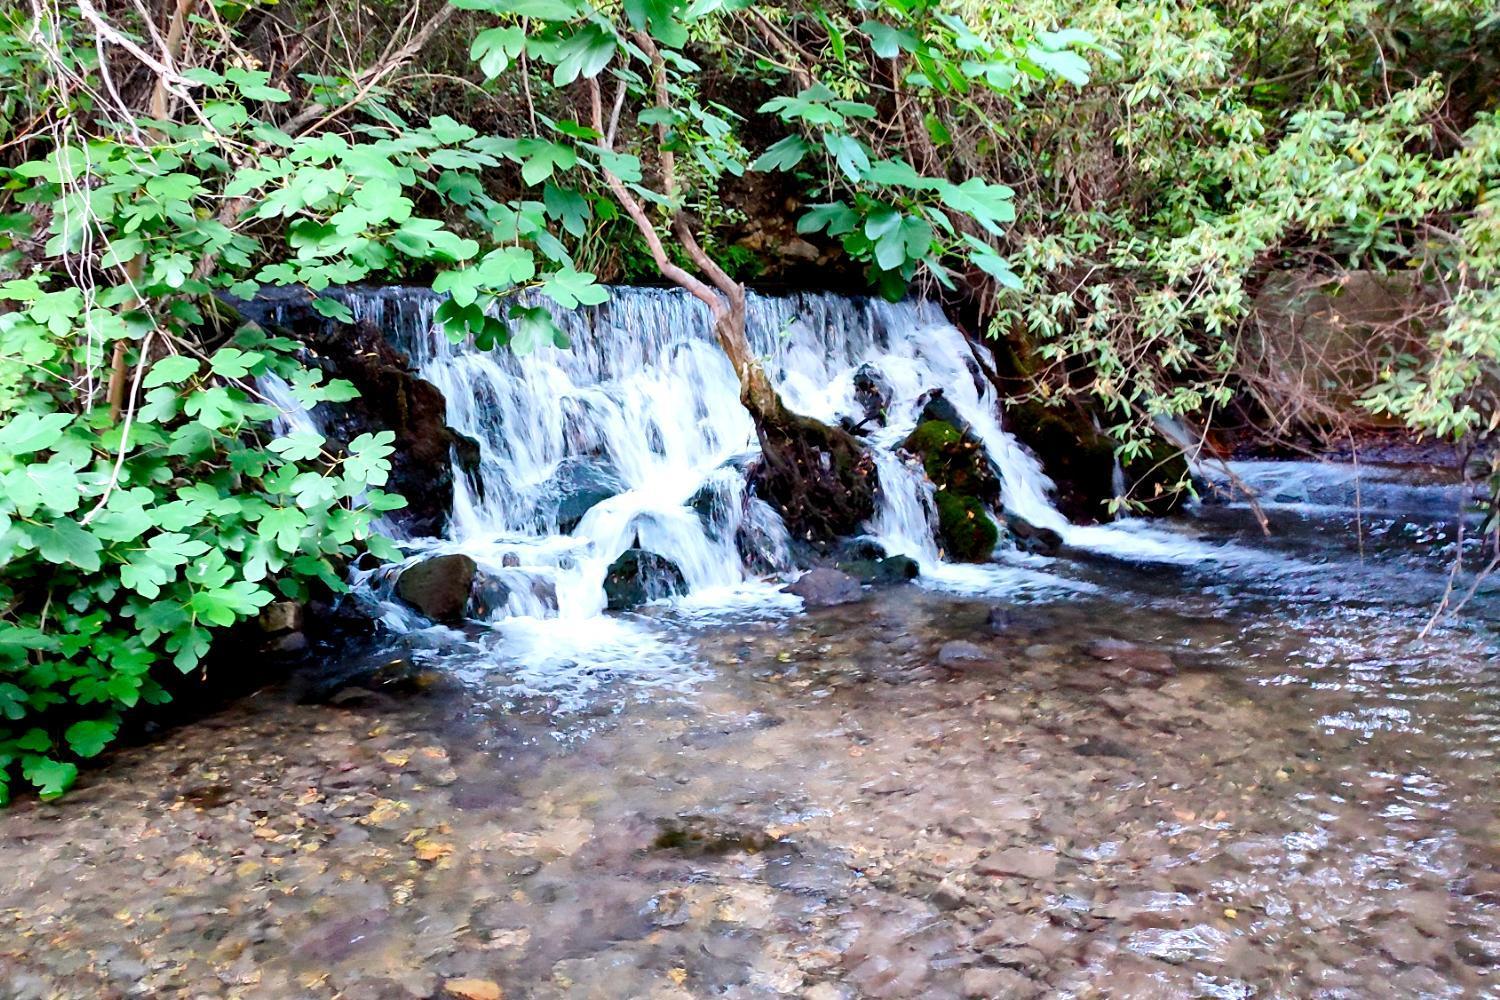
[1281, 789]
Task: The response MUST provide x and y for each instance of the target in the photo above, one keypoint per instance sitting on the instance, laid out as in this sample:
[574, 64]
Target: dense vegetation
[1111, 185]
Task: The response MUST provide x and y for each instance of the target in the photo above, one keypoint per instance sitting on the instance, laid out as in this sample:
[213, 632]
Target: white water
[646, 401]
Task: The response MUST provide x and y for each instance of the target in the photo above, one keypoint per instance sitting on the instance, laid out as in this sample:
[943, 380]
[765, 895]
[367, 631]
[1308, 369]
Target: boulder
[936, 406]
[824, 588]
[882, 572]
[1030, 538]
[438, 587]
[858, 548]
[639, 576]
[965, 528]
[579, 485]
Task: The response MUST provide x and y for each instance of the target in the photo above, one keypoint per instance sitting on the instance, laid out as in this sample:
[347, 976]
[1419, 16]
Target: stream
[1302, 803]
[1180, 758]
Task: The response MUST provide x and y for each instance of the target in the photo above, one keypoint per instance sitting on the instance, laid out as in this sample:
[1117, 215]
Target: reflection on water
[1282, 788]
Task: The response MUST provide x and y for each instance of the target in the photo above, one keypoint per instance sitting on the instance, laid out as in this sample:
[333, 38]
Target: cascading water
[639, 422]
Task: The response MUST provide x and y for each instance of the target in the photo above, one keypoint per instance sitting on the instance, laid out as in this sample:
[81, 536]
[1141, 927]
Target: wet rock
[1101, 746]
[1030, 538]
[510, 560]
[579, 485]
[962, 655]
[487, 595]
[965, 528]
[949, 895]
[280, 616]
[1019, 862]
[287, 644]
[857, 549]
[473, 989]
[936, 406]
[1128, 654]
[873, 394]
[825, 588]
[638, 577]
[438, 587]
[708, 836]
[882, 572]
[991, 984]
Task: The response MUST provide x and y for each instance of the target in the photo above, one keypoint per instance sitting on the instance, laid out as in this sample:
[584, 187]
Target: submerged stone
[438, 587]
[825, 588]
[638, 577]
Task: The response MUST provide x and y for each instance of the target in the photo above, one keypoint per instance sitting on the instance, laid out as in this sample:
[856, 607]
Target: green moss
[965, 528]
[952, 460]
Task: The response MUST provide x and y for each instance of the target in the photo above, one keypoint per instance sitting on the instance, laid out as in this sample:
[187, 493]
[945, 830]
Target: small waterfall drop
[635, 437]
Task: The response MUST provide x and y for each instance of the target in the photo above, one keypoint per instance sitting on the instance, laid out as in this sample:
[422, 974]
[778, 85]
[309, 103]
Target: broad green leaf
[172, 370]
[783, 155]
[25, 433]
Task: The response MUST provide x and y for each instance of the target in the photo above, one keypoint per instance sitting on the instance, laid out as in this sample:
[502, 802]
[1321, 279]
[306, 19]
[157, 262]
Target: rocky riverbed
[1252, 778]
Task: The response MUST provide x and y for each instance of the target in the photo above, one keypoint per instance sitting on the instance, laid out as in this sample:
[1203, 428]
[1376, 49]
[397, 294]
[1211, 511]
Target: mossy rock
[965, 528]
[954, 460]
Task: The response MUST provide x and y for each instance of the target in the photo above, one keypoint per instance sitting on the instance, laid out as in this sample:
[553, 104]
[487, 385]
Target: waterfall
[639, 422]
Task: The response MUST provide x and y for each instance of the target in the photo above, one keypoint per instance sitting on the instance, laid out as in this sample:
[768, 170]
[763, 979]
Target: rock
[579, 485]
[873, 394]
[965, 528]
[473, 989]
[438, 587]
[799, 249]
[287, 644]
[1030, 538]
[824, 588]
[639, 576]
[882, 572]
[487, 594]
[510, 560]
[1020, 862]
[961, 655]
[860, 547]
[992, 984]
[1102, 746]
[281, 616]
[1129, 655]
[936, 406]
[949, 895]
[999, 620]
[391, 398]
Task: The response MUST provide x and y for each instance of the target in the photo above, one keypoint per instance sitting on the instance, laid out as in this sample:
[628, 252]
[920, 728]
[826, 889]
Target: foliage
[1234, 141]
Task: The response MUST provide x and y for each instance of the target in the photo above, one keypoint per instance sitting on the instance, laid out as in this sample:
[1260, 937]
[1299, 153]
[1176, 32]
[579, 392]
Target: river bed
[1265, 782]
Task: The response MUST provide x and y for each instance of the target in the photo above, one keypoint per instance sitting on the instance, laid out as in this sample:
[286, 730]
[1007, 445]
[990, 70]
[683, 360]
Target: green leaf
[532, 327]
[495, 48]
[52, 778]
[849, 153]
[584, 53]
[231, 362]
[66, 542]
[783, 155]
[30, 432]
[889, 42]
[171, 370]
[571, 289]
[88, 738]
[836, 217]
[659, 18]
